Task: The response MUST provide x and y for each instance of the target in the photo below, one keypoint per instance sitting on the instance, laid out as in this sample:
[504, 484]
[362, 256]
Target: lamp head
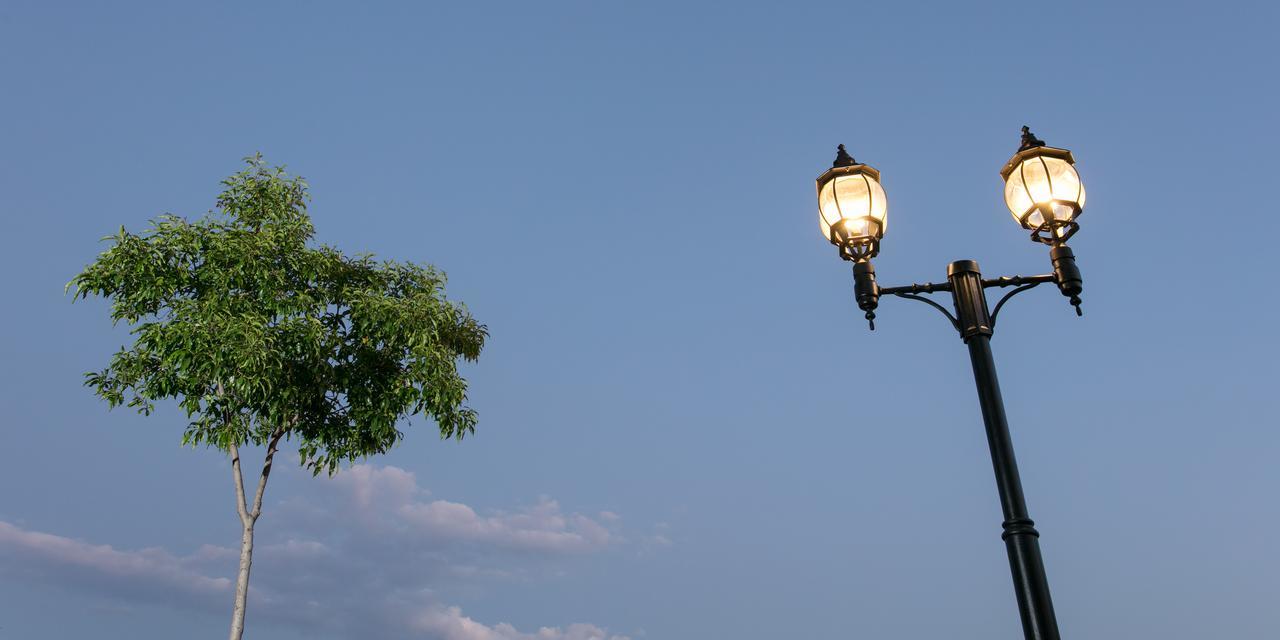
[851, 207]
[1043, 191]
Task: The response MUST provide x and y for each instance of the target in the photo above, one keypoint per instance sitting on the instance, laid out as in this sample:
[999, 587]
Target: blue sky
[686, 430]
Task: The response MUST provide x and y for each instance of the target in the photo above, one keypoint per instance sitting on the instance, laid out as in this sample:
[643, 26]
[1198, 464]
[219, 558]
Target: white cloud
[370, 486]
[541, 527]
[448, 623]
[211, 553]
[385, 504]
[143, 573]
[368, 554]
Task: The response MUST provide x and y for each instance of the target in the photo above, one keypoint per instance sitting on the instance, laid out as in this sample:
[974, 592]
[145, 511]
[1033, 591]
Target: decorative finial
[843, 159]
[1029, 140]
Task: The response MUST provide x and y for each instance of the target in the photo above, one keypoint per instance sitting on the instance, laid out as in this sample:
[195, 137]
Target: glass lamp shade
[851, 210]
[1044, 193]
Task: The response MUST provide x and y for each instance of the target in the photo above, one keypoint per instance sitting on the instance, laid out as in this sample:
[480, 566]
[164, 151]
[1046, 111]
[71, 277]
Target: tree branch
[241, 507]
[235, 472]
[266, 470]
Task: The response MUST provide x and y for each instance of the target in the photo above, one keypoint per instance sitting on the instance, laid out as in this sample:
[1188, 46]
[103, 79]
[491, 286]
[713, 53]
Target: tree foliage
[254, 331]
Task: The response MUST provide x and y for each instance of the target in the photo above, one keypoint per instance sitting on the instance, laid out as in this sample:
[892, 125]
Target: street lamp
[1046, 196]
[851, 207]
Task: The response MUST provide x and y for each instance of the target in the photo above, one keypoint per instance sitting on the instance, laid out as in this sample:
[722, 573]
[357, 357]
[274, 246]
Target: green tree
[260, 337]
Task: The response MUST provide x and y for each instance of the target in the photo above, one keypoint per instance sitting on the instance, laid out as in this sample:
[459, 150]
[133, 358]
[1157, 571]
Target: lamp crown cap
[1029, 140]
[843, 159]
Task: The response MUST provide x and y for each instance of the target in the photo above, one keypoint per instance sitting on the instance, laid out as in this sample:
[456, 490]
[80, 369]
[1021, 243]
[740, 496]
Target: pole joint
[1019, 527]
[969, 299]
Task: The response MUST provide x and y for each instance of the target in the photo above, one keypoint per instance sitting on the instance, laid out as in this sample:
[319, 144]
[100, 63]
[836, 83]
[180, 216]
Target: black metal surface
[970, 302]
[1016, 281]
[1067, 274]
[1022, 541]
[1053, 232]
[865, 290]
[928, 287]
[843, 159]
[1029, 140]
[995, 312]
[911, 296]
[1053, 229]
[865, 245]
[1020, 536]
[912, 291]
[858, 248]
[975, 322]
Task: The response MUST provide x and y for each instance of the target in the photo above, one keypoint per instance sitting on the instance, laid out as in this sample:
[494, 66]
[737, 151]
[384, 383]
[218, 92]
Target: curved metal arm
[996, 311]
[928, 287]
[1020, 284]
[911, 296]
[1010, 281]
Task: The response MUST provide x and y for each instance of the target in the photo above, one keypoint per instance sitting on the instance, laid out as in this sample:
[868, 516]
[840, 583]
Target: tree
[260, 337]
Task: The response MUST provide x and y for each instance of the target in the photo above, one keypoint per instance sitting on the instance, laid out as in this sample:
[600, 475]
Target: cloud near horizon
[388, 499]
[379, 575]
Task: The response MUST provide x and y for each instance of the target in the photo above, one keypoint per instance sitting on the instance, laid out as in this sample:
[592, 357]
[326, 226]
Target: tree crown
[253, 331]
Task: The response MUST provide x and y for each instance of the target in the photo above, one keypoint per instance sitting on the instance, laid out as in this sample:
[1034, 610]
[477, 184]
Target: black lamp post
[1045, 195]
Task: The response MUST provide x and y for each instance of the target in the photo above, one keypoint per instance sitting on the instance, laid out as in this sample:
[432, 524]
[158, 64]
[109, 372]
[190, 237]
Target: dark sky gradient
[623, 192]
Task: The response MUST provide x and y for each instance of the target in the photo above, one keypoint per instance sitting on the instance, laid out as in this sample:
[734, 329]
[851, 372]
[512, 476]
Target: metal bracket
[996, 311]
[1020, 284]
[911, 296]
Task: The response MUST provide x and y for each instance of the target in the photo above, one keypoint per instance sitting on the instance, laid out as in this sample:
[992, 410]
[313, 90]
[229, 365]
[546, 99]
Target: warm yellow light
[852, 207]
[1051, 183]
[1043, 191]
[855, 199]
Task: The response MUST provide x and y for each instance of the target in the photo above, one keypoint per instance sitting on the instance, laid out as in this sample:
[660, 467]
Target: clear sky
[686, 430]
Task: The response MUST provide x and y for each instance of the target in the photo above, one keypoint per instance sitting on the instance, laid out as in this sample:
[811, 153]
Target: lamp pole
[853, 220]
[1022, 541]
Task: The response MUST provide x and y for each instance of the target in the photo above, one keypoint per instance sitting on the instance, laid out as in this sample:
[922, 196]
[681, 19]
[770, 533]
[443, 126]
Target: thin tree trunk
[242, 583]
[248, 516]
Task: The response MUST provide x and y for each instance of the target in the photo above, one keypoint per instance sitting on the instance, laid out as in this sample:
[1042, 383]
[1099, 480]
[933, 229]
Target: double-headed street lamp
[1046, 196]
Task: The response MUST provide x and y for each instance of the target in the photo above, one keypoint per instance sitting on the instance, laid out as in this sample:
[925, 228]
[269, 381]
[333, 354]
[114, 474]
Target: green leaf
[245, 323]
